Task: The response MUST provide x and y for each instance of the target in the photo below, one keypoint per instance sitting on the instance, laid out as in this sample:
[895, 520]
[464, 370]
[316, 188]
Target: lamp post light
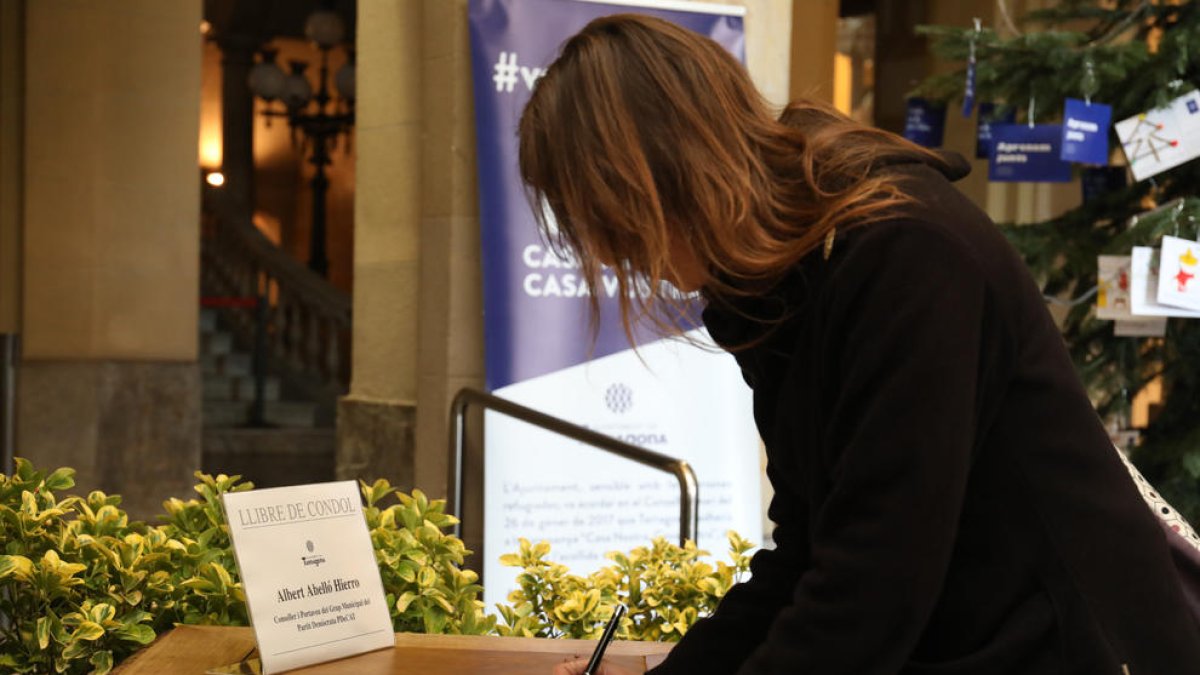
[321, 124]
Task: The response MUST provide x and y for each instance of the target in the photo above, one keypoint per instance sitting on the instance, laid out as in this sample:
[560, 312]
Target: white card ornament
[1143, 286]
[1163, 138]
[1152, 327]
[1178, 268]
[309, 573]
[1112, 295]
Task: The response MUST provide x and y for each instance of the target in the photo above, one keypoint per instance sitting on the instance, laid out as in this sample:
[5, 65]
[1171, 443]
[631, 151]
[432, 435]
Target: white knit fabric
[1161, 508]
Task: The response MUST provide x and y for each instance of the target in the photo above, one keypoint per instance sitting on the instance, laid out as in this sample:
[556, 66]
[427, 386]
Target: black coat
[947, 499]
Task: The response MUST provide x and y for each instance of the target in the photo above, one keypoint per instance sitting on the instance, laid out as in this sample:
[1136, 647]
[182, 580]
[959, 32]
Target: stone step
[289, 414]
[208, 320]
[271, 457]
[244, 388]
[217, 344]
[239, 388]
[234, 364]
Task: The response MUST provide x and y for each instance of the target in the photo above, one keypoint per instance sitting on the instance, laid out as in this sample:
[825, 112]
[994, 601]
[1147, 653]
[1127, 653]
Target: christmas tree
[1137, 56]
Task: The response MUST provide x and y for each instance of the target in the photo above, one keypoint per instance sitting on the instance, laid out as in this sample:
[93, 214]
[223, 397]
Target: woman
[947, 500]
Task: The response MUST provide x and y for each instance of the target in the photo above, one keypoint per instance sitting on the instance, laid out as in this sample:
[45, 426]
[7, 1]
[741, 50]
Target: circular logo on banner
[618, 397]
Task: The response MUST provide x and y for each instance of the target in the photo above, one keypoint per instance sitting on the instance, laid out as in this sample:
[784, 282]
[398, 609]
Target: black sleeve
[915, 351]
[723, 641]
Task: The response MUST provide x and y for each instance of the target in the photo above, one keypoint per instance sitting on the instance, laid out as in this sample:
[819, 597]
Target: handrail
[307, 319]
[287, 270]
[689, 492]
[227, 301]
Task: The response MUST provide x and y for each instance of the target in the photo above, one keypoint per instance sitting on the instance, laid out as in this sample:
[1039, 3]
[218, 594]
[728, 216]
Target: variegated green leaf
[88, 630]
[17, 566]
[102, 662]
[139, 633]
[43, 632]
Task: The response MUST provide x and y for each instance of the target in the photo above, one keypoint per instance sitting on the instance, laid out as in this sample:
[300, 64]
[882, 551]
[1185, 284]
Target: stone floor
[271, 457]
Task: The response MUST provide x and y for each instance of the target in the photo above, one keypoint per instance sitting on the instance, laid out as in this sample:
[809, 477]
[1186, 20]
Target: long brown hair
[643, 134]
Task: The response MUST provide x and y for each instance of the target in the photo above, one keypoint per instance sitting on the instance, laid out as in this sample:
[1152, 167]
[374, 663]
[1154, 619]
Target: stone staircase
[228, 376]
[297, 443]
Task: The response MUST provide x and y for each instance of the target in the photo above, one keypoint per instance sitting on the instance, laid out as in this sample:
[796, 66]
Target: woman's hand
[576, 666]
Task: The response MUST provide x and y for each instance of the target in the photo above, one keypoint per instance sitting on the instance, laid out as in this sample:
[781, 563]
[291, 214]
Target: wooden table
[190, 650]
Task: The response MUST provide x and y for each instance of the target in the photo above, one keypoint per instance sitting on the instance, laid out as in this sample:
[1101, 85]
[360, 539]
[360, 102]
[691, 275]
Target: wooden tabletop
[190, 650]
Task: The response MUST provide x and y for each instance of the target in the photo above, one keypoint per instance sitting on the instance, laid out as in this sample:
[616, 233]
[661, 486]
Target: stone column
[451, 309]
[814, 43]
[451, 299]
[375, 421]
[901, 58]
[12, 76]
[237, 124]
[769, 28]
[110, 383]
[12, 86]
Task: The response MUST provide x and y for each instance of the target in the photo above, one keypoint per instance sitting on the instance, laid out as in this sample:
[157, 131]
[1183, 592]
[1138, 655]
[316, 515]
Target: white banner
[683, 401]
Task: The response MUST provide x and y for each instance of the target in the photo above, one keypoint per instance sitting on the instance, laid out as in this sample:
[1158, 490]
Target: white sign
[1177, 270]
[669, 397]
[309, 572]
[1152, 327]
[1143, 286]
[1112, 297]
[1164, 138]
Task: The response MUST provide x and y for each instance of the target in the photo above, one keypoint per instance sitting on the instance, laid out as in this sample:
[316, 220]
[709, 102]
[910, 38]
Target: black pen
[609, 631]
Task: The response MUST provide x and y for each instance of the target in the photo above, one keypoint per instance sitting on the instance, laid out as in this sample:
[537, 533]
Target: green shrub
[665, 587]
[206, 570]
[82, 587]
[427, 589]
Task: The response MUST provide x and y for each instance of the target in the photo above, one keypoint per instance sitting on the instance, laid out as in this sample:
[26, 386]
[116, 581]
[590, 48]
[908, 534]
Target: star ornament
[1183, 278]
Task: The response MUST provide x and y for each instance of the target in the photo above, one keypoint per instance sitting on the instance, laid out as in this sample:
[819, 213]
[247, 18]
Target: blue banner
[925, 122]
[1085, 132]
[670, 397]
[991, 114]
[1021, 153]
[535, 304]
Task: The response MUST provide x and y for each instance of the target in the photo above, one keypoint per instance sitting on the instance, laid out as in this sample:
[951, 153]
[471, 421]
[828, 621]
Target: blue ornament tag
[1021, 153]
[969, 91]
[1085, 132]
[991, 114]
[925, 123]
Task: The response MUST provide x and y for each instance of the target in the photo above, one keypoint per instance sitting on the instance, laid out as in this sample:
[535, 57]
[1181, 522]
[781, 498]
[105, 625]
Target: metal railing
[308, 318]
[689, 493]
[9, 357]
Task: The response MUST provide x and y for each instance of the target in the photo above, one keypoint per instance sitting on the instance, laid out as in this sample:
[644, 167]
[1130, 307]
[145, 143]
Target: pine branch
[1047, 63]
